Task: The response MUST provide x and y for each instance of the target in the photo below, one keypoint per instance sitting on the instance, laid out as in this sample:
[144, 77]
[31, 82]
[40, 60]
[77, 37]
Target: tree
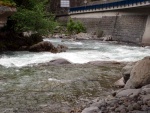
[31, 15]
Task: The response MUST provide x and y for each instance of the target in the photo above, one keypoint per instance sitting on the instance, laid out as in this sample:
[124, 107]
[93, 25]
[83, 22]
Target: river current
[79, 52]
[28, 88]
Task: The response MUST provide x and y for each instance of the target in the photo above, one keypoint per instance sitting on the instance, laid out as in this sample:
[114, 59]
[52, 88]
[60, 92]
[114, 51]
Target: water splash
[79, 52]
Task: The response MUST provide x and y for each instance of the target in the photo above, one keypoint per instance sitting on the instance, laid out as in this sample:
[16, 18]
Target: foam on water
[79, 52]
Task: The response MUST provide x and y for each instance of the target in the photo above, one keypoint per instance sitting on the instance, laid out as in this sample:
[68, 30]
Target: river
[26, 87]
[78, 52]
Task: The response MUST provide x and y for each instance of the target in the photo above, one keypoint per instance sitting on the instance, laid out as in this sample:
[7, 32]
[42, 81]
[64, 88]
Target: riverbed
[29, 87]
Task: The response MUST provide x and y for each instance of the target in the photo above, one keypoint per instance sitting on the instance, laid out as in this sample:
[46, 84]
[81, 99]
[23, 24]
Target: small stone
[136, 106]
[130, 108]
[148, 103]
[112, 108]
[144, 107]
[116, 110]
[121, 107]
[102, 109]
[123, 111]
[140, 102]
[136, 111]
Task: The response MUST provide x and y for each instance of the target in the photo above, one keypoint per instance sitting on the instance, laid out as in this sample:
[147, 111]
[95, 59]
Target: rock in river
[140, 74]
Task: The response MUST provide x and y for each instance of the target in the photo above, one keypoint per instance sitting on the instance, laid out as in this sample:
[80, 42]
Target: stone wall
[92, 25]
[128, 28]
[4, 13]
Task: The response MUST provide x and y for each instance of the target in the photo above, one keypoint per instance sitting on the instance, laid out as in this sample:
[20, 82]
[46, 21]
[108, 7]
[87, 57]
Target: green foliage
[75, 27]
[10, 3]
[31, 16]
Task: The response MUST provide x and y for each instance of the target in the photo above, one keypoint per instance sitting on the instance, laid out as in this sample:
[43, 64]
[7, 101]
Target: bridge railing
[122, 3]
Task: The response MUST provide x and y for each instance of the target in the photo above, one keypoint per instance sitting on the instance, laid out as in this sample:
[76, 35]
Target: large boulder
[47, 46]
[43, 46]
[140, 74]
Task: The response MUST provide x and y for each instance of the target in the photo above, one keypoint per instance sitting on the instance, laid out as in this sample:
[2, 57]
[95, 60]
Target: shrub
[75, 27]
[31, 15]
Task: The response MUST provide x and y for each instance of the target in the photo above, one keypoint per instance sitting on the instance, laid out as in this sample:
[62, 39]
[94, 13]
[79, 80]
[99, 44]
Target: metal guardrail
[108, 5]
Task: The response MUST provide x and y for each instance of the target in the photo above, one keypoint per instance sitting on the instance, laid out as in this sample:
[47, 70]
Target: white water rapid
[78, 52]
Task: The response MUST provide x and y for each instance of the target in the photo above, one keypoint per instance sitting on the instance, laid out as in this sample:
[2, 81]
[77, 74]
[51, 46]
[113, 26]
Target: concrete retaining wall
[123, 26]
[146, 36]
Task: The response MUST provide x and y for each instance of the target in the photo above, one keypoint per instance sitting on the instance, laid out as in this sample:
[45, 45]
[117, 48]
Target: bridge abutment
[121, 25]
[146, 36]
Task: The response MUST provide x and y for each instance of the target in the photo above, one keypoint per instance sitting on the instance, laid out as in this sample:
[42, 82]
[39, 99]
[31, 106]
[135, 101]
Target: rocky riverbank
[134, 97]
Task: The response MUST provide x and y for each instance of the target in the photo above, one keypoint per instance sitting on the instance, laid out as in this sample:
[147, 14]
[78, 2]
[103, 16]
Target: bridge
[110, 6]
[125, 20]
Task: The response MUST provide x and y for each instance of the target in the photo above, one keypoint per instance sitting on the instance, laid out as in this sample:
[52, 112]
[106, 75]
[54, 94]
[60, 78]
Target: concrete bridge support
[146, 36]
[125, 26]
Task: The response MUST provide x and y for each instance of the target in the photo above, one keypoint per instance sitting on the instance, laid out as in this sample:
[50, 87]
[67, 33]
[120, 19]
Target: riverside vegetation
[33, 18]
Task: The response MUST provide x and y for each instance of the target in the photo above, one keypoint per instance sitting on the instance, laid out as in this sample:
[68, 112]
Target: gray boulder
[140, 74]
[59, 61]
[47, 46]
[43, 46]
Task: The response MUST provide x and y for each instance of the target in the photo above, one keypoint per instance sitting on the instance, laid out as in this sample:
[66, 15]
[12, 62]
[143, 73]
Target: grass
[9, 3]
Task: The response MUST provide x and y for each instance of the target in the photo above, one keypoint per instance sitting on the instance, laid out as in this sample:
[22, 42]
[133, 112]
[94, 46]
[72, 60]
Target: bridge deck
[110, 6]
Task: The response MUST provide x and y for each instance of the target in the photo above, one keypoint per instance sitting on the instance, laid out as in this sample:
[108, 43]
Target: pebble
[136, 106]
[148, 103]
[144, 107]
[127, 104]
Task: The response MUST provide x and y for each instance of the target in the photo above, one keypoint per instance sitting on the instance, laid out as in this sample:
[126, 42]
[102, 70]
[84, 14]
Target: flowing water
[29, 88]
[78, 52]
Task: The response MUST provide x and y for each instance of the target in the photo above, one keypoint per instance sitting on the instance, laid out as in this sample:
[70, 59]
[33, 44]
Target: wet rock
[59, 61]
[43, 46]
[139, 74]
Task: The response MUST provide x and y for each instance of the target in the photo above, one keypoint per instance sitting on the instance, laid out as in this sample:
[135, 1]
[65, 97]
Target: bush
[75, 27]
[32, 16]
